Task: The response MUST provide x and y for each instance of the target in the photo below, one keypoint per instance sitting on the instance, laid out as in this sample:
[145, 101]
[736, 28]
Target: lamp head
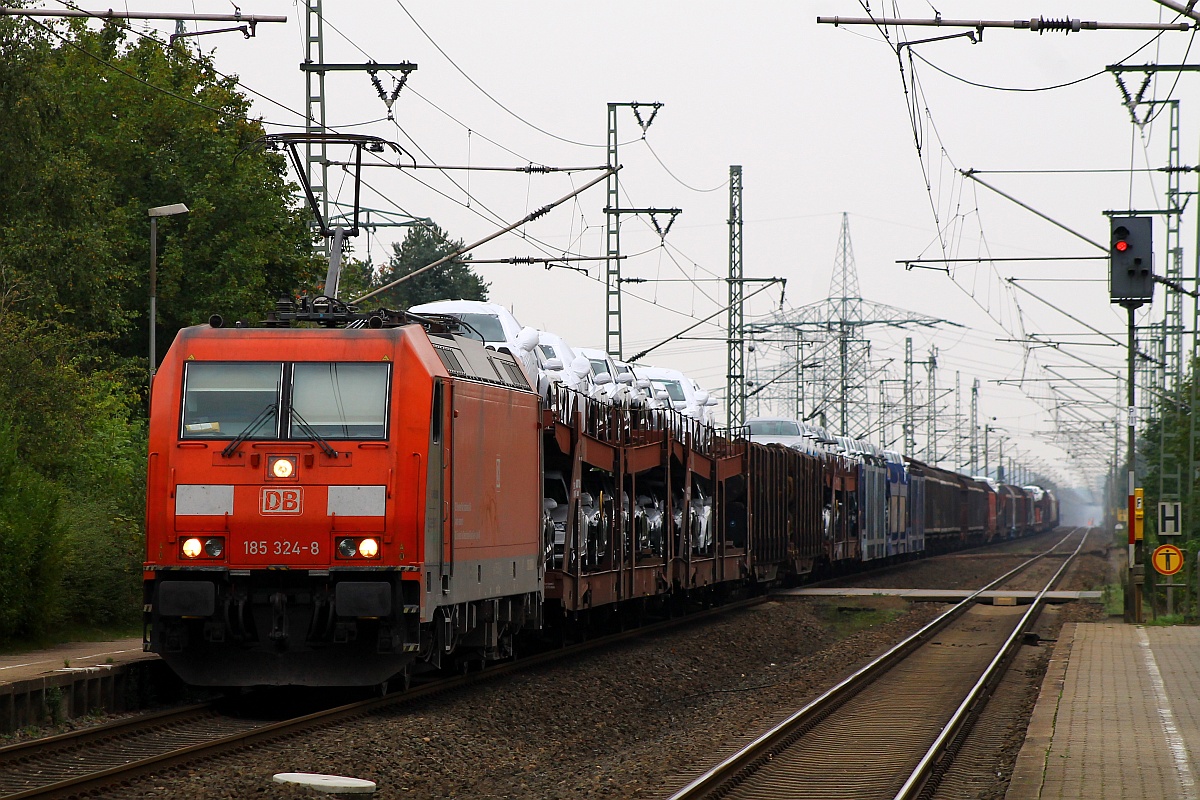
[167, 211]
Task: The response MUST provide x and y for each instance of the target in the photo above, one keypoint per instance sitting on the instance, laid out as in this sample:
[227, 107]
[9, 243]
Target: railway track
[90, 760]
[891, 728]
[29, 769]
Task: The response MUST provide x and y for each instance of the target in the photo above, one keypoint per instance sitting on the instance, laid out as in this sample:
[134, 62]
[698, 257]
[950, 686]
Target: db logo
[280, 501]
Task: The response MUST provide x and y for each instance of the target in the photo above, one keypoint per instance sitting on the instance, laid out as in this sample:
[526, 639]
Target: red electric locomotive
[332, 506]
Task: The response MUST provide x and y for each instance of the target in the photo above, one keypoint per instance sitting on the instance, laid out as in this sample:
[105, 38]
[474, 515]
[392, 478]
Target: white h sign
[1170, 518]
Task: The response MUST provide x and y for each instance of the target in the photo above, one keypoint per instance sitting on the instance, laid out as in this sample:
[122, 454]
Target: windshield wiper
[248, 431]
[312, 434]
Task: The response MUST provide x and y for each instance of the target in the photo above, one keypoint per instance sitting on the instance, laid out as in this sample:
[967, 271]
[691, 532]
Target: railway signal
[1131, 261]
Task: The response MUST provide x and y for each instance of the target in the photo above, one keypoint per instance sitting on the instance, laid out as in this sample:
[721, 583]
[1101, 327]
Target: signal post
[1131, 284]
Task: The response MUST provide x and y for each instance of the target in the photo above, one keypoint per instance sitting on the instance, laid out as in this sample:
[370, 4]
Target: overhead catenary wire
[486, 93]
[413, 91]
[920, 149]
[418, 147]
[674, 336]
[191, 101]
[275, 102]
[675, 177]
[531, 168]
[527, 218]
[495, 217]
[941, 200]
[157, 88]
[425, 222]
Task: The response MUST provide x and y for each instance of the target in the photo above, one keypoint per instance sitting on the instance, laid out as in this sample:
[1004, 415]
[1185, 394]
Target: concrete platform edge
[53, 698]
[1030, 769]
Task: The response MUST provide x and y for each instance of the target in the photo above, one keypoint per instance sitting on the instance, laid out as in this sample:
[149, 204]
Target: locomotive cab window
[339, 401]
[222, 400]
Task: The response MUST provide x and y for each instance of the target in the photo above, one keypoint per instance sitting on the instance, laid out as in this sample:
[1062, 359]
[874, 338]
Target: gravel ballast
[635, 721]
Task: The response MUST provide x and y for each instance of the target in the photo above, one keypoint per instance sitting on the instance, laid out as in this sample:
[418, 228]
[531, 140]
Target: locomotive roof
[461, 354]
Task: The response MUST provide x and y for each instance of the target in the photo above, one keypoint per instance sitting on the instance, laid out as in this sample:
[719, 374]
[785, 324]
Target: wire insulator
[1041, 25]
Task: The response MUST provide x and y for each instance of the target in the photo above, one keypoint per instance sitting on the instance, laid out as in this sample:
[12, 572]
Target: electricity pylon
[839, 371]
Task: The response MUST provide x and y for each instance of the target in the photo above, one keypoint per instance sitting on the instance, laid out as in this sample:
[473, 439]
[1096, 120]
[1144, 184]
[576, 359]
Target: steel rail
[766, 744]
[11, 752]
[966, 711]
[95, 781]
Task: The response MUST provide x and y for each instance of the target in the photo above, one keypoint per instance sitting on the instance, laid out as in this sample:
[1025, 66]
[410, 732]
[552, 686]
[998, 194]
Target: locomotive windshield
[339, 401]
[221, 400]
[316, 400]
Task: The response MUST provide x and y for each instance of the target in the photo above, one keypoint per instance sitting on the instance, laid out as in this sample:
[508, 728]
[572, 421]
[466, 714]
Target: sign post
[1170, 523]
[1168, 560]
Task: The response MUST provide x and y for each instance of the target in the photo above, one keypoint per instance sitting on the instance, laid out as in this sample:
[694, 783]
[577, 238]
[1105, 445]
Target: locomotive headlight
[347, 548]
[215, 547]
[192, 548]
[283, 467]
[368, 548]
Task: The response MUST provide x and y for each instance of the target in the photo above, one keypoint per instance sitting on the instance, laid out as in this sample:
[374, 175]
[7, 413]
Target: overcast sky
[823, 121]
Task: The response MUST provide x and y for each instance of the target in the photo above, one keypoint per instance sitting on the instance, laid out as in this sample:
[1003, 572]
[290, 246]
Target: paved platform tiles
[1118, 717]
[945, 595]
[74, 679]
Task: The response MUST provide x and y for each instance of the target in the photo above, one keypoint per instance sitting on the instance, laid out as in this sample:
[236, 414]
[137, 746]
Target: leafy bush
[105, 495]
[102, 563]
[71, 484]
[30, 545]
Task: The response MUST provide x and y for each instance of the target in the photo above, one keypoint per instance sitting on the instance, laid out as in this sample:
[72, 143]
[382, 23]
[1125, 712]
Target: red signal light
[1121, 246]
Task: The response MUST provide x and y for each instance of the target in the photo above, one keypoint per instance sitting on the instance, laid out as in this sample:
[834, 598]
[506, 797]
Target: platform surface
[71, 657]
[1118, 717]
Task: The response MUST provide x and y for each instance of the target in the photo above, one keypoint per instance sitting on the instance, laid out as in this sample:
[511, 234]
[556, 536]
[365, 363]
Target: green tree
[423, 245]
[358, 277]
[1165, 441]
[1165, 438]
[97, 129]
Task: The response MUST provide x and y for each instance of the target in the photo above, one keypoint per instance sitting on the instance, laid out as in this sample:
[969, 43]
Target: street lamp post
[987, 470]
[986, 429]
[155, 213]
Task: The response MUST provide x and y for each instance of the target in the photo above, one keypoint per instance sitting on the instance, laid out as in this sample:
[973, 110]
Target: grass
[848, 618]
[1114, 600]
[1165, 620]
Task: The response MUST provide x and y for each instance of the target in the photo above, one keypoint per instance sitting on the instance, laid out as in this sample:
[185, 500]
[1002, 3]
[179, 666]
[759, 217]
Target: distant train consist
[340, 498]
